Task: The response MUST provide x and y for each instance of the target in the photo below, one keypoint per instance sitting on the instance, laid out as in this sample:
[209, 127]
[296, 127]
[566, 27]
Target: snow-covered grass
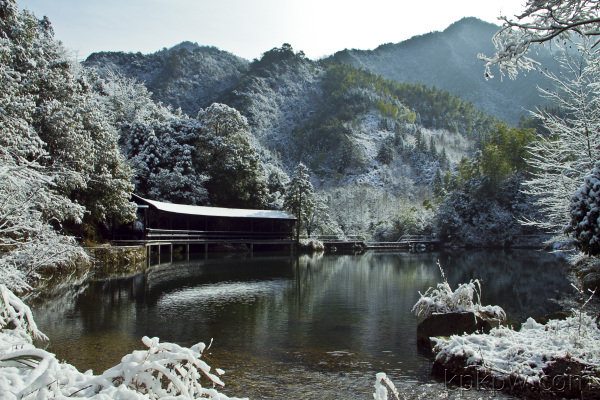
[523, 355]
[466, 298]
[164, 370]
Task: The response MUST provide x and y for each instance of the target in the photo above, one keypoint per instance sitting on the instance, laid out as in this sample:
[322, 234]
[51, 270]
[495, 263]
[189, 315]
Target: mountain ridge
[189, 76]
[448, 60]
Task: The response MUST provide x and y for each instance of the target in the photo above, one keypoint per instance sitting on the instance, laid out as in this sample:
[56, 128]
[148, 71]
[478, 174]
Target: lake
[295, 327]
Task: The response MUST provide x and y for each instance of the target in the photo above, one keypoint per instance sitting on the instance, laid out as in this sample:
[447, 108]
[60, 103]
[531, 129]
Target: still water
[294, 328]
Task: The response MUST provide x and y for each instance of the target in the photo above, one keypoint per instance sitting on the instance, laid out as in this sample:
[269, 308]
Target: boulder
[454, 323]
[559, 315]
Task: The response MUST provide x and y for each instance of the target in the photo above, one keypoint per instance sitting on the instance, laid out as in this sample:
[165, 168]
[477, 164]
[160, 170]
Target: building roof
[214, 211]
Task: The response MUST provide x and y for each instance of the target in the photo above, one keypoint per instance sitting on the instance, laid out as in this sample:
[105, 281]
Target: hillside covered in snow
[381, 141]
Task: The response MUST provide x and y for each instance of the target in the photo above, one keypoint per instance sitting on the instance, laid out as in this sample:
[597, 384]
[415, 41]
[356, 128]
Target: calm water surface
[294, 328]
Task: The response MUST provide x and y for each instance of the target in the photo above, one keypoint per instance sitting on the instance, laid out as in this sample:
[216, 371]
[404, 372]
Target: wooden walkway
[158, 238]
[406, 242]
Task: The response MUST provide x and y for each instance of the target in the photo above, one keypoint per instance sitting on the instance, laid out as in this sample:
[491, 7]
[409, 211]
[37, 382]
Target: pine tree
[299, 198]
[228, 154]
[585, 212]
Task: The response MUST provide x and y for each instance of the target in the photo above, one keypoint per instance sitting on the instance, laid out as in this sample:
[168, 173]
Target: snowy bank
[559, 358]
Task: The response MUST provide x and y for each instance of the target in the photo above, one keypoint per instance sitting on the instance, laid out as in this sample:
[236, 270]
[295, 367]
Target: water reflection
[293, 327]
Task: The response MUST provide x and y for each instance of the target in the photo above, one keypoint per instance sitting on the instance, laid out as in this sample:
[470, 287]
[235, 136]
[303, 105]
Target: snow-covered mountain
[186, 76]
[191, 76]
[378, 129]
[448, 60]
[347, 124]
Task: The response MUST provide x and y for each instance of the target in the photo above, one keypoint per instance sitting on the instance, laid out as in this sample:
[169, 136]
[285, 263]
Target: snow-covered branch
[164, 370]
[541, 22]
[561, 159]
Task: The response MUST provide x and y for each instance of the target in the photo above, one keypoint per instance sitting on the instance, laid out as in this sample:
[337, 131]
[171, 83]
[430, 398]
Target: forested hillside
[395, 150]
[448, 60]
[186, 76]
[191, 76]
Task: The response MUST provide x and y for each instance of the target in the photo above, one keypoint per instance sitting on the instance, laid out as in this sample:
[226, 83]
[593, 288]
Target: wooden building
[168, 223]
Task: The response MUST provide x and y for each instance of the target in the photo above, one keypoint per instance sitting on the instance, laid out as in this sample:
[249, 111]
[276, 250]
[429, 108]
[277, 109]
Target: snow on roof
[216, 211]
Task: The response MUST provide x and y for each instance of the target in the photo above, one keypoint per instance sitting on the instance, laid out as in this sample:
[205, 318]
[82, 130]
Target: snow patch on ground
[525, 353]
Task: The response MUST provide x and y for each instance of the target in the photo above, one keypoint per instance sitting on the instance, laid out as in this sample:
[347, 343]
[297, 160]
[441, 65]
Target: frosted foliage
[540, 22]
[585, 214]
[382, 383]
[162, 154]
[164, 370]
[26, 191]
[383, 215]
[442, 299]
[222, 120]
[50, 114]
[562, 160]
[129, 101]
[14, 314]
[277, 181]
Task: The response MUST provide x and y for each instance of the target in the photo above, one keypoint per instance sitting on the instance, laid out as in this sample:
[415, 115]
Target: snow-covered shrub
[585, 212]
[475, 217]
[385, 231]
[311, 245]
[27, 240]
[16, 315]
[165, 370]
[466, 298]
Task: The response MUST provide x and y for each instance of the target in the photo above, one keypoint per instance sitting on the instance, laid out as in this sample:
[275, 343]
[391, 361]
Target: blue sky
[248, 28]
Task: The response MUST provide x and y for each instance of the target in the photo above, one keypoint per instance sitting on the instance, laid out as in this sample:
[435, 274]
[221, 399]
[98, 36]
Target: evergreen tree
[386, 153]
[585, 212]
[227, 153]
[52, 115]
[163, 155]
[299, 199]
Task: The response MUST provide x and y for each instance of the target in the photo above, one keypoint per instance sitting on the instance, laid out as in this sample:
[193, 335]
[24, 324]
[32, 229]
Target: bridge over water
[406, 242]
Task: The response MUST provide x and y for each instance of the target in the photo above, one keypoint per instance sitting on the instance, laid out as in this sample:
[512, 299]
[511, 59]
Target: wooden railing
[334, 238]
[417, 239]
[189, 236]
